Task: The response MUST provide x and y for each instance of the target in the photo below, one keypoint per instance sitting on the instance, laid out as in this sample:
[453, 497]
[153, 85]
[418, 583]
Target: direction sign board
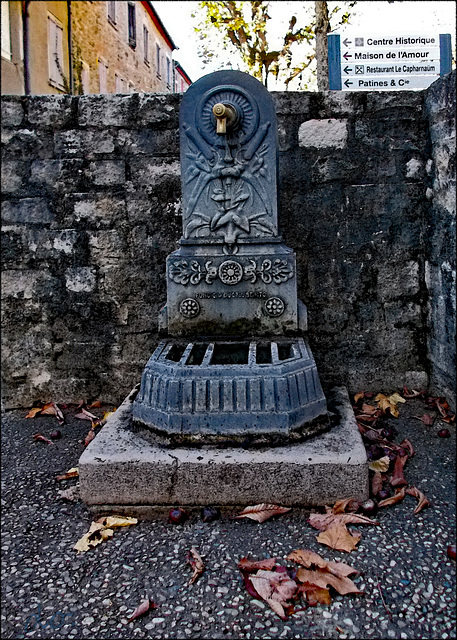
[387, 63]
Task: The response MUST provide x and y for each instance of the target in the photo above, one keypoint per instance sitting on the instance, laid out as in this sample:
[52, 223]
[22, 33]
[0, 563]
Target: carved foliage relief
[230, 272]
[229, 180]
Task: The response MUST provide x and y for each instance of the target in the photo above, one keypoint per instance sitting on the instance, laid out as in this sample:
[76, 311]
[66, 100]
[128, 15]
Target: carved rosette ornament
[230, 272]
[189, 308]
[274, 307]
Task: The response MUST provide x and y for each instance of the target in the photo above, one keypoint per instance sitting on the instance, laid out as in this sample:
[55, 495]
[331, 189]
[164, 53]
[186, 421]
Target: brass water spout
[226, 116]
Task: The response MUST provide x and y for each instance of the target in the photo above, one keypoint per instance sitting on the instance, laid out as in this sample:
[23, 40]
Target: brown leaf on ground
[39, 436]
[314, 595]
[275, 588]
[142, 608]
[33, 412]
[345, 505]
[423, 501]
[95, 405]
[398, 497]
[261, 512]
[254, 565]
[427, 419]
[381, 465]
[368, 409]
[309, 559]
[51, 409]
[89, 437]
[406, 444]
[376, 483]
[326, 520]
[195, 561]
[398, 479]
[359, 396]
[338, 537]
[386, 405]
[343, 585]
[71, 473]
[395, 398]
[410, 394]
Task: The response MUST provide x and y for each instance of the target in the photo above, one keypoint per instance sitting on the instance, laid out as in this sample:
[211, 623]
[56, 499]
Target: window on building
[6, 32]
[85, 78]
[132, 24]
[119, 84]
[168, 72]
[102, 76]
[111, 8]
[55, 51]
[158, 60]
[146, 44]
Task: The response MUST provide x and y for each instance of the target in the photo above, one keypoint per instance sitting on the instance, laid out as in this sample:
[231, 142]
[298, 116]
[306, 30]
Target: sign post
[387, 63]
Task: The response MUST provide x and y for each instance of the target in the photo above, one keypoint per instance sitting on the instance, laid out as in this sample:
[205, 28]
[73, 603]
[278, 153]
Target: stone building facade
[92, 207]
[83, 47]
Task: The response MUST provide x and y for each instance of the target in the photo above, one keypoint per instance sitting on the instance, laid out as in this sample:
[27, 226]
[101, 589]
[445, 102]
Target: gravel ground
[50, 591]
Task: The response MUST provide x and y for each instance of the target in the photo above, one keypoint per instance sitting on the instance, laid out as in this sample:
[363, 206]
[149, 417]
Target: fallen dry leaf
[314, 595]
[347, 504]
[376, 483]
[343, 585]
[324, 521]
[254, 565]
[398, 497]
[71, 473]
[195, 561]
[275, 588]
[261, 512]
[368, 409]
[142, 608]
[380, 465]
[90, 436]
[398, 479]
[359, 396]
[423, 501]
[101, 530]
[309, 559]
[338, 537]
[39, 436]
[395, 398]
[427, 419]
[406, 444]
[410, 394]
[95, 405]
[51, 409]
[107, 415]
[116, 521]
[386, 405]
[33, 412]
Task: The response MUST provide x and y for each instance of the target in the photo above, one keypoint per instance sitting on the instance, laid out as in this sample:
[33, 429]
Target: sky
[368, 17]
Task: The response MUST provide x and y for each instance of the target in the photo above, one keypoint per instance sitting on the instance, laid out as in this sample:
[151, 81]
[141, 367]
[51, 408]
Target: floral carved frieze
[230, 272]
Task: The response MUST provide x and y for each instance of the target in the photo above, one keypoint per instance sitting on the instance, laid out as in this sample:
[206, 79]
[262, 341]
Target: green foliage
[242, 28]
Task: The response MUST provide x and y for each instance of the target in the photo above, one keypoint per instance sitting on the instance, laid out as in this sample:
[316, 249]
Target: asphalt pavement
[51, 591]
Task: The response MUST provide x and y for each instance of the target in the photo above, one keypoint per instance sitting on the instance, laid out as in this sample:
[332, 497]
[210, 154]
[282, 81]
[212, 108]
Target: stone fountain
[230, 409]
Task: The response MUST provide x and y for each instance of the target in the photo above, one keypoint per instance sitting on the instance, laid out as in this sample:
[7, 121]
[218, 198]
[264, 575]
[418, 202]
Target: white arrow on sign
[389, 41]
[430, 67]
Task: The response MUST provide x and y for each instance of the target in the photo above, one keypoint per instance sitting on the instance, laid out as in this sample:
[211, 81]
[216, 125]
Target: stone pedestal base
[122, 471]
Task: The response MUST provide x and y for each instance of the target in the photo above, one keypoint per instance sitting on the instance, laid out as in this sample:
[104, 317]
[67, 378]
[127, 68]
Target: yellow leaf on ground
[395, 398]
[380, 465]
[117, 521]
[90, 539]
[386, 405]
[338, 537]
[101, 530]
[32, 413]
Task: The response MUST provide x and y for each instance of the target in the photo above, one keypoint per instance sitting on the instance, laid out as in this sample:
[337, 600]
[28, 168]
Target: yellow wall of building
[94, 37]
[38, 45]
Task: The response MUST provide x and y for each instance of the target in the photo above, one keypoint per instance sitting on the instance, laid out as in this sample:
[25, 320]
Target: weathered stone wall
[441, 245]
[92, 208]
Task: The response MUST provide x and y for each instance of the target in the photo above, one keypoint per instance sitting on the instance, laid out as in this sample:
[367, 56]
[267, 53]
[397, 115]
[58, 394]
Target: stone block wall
[440, 267]
[91, 208]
